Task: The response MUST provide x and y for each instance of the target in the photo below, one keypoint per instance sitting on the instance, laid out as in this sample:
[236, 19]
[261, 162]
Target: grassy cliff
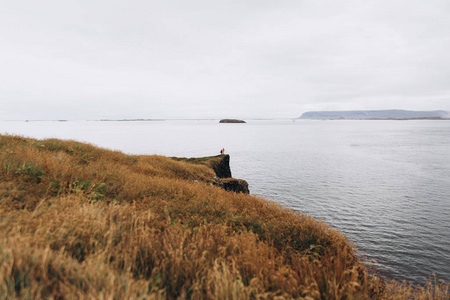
[77, 221]
[219, 163]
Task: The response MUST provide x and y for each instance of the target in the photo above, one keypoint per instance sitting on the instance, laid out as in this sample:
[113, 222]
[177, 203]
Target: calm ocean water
[386, 184]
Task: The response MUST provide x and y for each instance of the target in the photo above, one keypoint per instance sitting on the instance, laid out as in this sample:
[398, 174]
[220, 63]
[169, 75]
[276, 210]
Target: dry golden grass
[77, 221]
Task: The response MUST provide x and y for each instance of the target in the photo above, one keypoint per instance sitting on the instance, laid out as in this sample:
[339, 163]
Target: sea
[384, 183]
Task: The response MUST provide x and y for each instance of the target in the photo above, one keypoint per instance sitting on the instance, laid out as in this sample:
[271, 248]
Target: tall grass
[77, 221]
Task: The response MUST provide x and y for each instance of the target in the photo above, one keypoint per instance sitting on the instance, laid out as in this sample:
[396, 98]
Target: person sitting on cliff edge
[222, 151]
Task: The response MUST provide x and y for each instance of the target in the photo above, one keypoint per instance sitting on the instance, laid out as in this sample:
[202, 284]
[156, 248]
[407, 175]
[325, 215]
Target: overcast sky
[97, 59]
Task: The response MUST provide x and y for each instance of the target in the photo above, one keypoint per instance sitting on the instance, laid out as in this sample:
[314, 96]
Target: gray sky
[93, 59]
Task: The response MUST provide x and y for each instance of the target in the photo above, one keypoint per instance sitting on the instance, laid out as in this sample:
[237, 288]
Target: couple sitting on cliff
[222, 151]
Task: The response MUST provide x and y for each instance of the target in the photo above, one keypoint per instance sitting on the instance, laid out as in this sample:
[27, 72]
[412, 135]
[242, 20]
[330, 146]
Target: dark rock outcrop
[231, 121]
[221, 167]
[232, 184]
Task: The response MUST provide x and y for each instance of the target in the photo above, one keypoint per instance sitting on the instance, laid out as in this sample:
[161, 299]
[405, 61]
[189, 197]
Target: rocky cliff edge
[221, 166]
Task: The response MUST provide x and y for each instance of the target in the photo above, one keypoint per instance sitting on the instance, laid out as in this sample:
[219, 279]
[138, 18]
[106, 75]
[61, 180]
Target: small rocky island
[231, 121]
[221, 167]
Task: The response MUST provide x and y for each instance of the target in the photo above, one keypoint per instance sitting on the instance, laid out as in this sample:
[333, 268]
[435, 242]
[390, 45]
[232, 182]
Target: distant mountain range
[392, 114]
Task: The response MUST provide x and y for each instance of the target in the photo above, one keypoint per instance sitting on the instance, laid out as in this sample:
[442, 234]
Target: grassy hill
[77, 221]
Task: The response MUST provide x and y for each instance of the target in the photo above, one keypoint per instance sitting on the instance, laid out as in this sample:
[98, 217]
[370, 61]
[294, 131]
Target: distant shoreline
[378, 119]
[274, 119]
[390, 114]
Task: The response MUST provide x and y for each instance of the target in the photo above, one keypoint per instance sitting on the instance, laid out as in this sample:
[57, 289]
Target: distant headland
[392, 114]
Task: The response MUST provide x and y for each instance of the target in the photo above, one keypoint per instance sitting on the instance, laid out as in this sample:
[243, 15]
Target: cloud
[202, 59]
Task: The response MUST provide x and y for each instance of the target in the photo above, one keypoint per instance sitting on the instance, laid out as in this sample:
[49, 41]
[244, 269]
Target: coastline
[162, 221]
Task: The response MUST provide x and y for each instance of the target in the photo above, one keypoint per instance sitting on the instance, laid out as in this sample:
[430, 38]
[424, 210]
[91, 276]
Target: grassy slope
[210, 161]
[77, 221]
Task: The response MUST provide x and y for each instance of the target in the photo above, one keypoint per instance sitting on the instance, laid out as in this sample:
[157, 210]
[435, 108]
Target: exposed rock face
[232, 184]
[222, 166]
[231, 121]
